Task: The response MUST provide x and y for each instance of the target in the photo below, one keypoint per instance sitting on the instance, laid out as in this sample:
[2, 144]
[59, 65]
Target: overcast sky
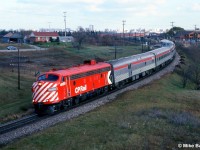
[148, 14]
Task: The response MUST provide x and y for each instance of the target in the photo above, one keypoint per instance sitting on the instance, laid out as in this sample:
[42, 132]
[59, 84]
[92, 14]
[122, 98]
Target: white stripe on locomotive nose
[35, 92]
[35, 84]
[44, 90]
[54, 97]
[43, 97]
[38, 90]
[54, 85]
[52, 93]
[41, 88]
[37, 97]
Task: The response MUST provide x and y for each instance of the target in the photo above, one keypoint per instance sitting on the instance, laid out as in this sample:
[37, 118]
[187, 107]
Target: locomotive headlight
[52, 89]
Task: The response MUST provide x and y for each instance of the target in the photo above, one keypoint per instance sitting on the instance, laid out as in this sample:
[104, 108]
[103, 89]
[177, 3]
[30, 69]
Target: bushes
[189, 68]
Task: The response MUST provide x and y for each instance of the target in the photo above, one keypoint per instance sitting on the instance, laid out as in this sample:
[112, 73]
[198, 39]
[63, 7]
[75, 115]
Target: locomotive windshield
[48, 77]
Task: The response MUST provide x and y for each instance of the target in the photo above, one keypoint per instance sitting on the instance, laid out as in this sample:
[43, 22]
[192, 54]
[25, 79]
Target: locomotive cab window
[48, 77]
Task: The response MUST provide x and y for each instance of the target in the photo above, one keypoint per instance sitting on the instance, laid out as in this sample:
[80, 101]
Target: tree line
[190, 70]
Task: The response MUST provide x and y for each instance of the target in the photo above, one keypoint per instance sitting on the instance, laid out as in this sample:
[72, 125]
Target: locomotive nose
[45, 92]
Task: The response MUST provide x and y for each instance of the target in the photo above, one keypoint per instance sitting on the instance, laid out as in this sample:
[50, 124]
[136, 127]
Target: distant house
[43, 36]
[182, 35]
[12, 37]
[194, 35]
[16, 37]
[6, 38]
[188, 35]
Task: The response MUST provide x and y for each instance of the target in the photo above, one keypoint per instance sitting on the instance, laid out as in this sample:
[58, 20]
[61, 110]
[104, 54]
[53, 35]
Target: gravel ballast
[50, 121]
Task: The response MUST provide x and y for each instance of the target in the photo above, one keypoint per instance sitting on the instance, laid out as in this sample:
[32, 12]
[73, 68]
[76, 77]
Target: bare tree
[79, 36]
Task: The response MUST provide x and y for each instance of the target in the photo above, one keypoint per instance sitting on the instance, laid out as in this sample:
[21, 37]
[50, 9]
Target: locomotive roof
[130, 59]
[80, 69]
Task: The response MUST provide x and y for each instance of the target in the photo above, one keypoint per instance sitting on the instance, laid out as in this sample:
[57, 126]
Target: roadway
[33, 48]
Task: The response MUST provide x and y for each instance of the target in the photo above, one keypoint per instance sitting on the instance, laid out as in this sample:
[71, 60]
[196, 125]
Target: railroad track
[9, 126]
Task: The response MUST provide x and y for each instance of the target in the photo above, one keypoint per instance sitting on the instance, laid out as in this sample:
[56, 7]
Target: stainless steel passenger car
[131, 67]
[164, 54]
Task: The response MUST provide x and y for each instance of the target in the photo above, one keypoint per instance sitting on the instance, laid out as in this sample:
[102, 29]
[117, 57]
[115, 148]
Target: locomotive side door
[68, 89]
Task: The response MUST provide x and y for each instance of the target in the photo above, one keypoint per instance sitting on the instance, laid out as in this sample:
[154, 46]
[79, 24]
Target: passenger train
[60, 89]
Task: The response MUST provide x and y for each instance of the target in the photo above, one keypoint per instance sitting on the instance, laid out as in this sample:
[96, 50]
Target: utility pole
[18, 70]
[123, 30]
[115, 50]
[65, 21]
[172, 24]
[49, 25]
[135, 36]
[195, 33]
[18, 66]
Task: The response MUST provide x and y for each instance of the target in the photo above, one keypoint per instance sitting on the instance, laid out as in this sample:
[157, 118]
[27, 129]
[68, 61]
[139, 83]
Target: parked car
[11, 48]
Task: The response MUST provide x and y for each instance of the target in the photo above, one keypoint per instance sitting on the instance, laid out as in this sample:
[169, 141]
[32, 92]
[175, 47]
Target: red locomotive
[62, 88]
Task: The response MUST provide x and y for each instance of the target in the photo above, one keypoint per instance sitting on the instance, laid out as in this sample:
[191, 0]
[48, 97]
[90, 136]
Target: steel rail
[9, 126]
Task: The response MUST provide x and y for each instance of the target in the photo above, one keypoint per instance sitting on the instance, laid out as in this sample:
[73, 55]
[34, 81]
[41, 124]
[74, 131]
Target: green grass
[14, 102]
[104, 52]
[158, 116]
[92, 51]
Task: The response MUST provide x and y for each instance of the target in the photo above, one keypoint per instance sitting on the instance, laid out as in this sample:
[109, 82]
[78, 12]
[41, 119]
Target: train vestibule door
[68, 89]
